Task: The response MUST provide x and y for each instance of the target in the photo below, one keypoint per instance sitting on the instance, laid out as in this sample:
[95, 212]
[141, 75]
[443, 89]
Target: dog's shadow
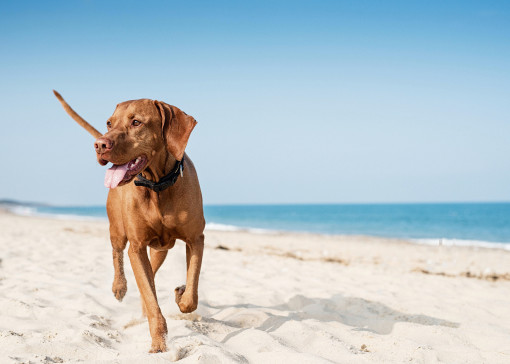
[359, 313]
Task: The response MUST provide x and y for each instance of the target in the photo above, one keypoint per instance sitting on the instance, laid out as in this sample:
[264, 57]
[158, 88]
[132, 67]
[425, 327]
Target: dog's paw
[159, 331]
[158, 347]
[178, 293]
[187, 306]
[187, 303]
[119, 289]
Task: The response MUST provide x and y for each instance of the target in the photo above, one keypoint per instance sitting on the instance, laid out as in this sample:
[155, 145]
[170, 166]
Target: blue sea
[484, 224]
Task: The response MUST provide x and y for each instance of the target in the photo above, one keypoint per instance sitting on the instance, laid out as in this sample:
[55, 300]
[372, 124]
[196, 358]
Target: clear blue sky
[296, 102]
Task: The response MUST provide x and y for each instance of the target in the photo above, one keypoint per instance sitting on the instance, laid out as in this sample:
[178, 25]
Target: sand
[264, 298]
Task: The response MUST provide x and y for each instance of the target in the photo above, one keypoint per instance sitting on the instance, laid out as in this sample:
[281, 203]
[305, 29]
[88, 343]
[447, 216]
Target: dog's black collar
[165, 181]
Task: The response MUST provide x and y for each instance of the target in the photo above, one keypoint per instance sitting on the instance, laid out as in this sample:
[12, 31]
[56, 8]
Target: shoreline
[212, 226]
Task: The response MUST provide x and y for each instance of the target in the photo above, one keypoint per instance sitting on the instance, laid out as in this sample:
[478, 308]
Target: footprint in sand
[101, 341]
[181, 349]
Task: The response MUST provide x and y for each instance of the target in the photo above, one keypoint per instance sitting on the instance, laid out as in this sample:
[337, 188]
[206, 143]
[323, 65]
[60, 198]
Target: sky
[296, 101]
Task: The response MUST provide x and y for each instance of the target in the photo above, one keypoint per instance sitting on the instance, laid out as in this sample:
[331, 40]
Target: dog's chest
[158, 218]
[164, 225]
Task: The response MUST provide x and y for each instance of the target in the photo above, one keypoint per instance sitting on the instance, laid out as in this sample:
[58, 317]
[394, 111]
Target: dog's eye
[136, 123]
[109, 124]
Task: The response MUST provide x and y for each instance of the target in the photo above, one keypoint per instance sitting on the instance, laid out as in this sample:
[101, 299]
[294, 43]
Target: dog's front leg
[119, 286]
[187, 296]
[145, 281]
[157, 259]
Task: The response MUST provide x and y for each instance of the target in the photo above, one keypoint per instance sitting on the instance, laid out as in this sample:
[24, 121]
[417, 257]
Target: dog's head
[138, 131]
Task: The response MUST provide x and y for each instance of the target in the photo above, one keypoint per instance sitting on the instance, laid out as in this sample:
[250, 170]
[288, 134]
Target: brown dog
[149, 137]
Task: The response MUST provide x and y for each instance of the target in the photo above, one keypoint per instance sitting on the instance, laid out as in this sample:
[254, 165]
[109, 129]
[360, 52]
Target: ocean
[483, 224]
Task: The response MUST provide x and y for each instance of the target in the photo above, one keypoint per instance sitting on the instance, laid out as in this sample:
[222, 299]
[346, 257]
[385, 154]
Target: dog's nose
[103, 145]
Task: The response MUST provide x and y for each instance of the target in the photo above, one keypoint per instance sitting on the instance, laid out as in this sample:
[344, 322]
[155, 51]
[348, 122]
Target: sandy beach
[264, 298]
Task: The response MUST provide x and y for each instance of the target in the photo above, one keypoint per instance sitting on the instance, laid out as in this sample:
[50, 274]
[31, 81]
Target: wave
[224, 227]
[462, 242]
[33, 211]
[22, 210]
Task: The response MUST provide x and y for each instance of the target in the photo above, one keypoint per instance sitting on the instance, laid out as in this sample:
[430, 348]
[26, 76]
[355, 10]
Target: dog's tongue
[114, 175]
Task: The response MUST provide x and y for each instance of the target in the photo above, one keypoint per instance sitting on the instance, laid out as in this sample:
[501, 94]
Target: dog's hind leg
[187, 296]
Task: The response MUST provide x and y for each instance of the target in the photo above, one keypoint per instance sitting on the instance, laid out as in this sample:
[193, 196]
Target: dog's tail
[93, 131]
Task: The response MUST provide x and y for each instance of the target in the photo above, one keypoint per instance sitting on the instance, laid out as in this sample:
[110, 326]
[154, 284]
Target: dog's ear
[176, 127]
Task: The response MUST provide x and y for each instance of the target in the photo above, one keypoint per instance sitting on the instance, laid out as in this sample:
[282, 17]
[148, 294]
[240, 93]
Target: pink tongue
[114, 175]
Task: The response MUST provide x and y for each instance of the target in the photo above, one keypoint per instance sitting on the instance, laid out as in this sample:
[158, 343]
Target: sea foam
[462, 242]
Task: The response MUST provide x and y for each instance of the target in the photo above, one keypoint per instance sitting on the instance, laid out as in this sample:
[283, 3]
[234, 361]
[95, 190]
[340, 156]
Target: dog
[154, 199]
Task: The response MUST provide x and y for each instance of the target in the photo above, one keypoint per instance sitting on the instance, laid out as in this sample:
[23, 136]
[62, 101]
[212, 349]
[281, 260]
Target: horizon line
[18, 202]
